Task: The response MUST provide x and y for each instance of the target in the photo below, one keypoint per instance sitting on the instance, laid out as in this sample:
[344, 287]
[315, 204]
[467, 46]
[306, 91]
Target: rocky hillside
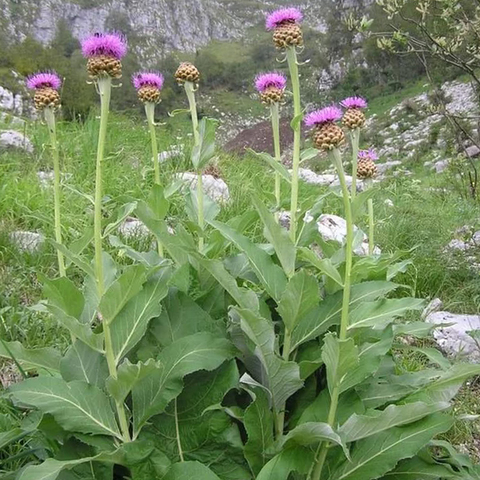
[157, 26]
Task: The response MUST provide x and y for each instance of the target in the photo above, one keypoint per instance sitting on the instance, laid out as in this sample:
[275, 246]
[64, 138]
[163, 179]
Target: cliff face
[159, 26]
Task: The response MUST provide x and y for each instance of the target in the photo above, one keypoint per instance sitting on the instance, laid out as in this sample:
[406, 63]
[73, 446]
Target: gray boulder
[13, 139]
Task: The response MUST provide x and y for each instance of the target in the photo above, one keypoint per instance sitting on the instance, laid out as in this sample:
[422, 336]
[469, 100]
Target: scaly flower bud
[326, 134]
[366, 167]
[187, 72]
[271, 87]
[46, 85]
[104, 52]
[354, 117]
[148, 86]
[285, 24]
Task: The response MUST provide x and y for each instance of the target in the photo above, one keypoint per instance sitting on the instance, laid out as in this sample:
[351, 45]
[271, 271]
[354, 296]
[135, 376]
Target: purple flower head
[282, 15]
[44, 79]
[325, 115]
[152, 79]
[369, 154]
[270, 79]
[354, 102]
[111, 44]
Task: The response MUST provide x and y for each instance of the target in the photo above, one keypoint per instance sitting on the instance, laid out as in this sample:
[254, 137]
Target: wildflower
[187, 72]
[327, 134]
[366, 167]
[285, 24]
[148, 86]
[271, 87]
[46, 85]
[104, 52]
[354, 117]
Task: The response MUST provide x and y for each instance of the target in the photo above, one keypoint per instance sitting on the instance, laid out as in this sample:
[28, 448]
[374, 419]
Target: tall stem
[190, 91]
[150, 113]
[104, 88]
[274, 109]
[52, 130]
[177, 432]
[371, 227]
[323, 447]
[355, 139]
[297, 109]
[280, 416]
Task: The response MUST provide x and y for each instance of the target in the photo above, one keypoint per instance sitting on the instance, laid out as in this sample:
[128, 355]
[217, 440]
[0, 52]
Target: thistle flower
[366, 167]
[104, 52]
[148, 86]
[271, 87]
[285, 24]
[326, 134]
[187, 72]
[354, 117]
[46, 85]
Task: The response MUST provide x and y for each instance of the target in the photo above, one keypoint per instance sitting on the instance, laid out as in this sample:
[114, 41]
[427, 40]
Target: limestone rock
[215, 188]
[473, 151]
[29, 242]
[13, 139]
[133, 228]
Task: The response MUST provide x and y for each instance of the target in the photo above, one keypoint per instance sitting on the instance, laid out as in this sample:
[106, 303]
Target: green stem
[190, 91]
[150, 113]
[177, 432]
[297, 109]
[371, 227]
[274, 109]
[280, 416]
[323, 447]
[104, 85]
[355, 138]
[50, 119]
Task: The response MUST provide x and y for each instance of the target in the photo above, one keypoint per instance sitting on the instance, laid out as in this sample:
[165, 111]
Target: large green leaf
[292, 459]
[76, 406]
[378, 454]
[275, 164]
[244, 298]
[130, 324]
[120, 215]
[189, 471]
[258, 421]
[382, 312]
[417, 469]
[376, 421]
[121, 291]
[63, 293]
[85, 364]
[204, 151]
[328, 313]
[340, 357]
[201, 351]
[324, 265]
[300, 297]
[270, 275]
[181, 316]
[279, 377]
[278, 237]
[31, 359]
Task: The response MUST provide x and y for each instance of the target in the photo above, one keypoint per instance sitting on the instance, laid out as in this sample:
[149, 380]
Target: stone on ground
[13, 139]
[215, 188]
[29, 242]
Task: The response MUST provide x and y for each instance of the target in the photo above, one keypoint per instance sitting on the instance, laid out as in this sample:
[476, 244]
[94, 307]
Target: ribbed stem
[355, 139]
[190, 91]
[371, 227]
[105, 89]
[150, 113]
[177, 433]
[52, 130]
[323, 447]
[297, 109]
[280, 416]
[274, 109]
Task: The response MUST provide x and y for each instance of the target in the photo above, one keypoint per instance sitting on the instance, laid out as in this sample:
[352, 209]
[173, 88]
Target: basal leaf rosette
[46, 86]
[271, 87]
[327, 134]
[104, 52]
[187, 72]
[148, 86]
[354, 117]
[285, 24]
[366, 167]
